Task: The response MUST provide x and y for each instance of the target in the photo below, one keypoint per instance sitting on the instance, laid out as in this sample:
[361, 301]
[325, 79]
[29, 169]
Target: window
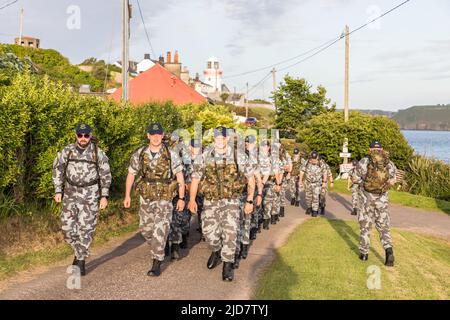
[216, 65]
[209, 64]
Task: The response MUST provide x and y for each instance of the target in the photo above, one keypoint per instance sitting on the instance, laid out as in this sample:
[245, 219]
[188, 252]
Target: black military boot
[244, 252]
[260, 224]
[184, 243]
[175, 251]
[228, 271]
[389, 257]
[213, 260]
[273, 220]
[75, 261]
[167, 249]
[314, 213]
[253, 232]
[237, 260]
[282, 212]
[363, 256]
[155, 271]
[292, 202]
[308, 211]
[322, 210]
[354, 212]
[266, 224]
[297, 203]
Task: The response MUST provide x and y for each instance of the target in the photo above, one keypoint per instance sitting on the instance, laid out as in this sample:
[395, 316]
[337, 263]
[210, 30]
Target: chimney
[161, 60]
[175, 57]
[197, 77]
[169, 57]
[147, 56]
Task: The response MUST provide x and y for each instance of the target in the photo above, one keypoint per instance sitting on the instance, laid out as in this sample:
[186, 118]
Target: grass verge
[38, 241]
[320, 261]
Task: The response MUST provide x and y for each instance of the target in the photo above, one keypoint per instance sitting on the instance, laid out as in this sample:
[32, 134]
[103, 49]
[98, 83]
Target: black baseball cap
[220, 131]
[314, 155]
[375, 144]
[83, 128]
[155, 128]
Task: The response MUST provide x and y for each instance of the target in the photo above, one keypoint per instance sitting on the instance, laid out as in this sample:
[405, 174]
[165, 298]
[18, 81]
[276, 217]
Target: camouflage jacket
[313, 173]
[211, 159]
[269, 166]
[81, 169]
[135, 164]
[360, 173]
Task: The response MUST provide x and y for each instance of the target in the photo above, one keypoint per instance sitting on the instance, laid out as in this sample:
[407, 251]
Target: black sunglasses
[86, 135]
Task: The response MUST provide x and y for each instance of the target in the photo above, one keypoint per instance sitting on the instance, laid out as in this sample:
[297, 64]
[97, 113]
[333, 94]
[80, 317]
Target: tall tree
[296, 103]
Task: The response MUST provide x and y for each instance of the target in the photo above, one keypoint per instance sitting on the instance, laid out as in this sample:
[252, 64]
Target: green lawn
[320, 261]
[404, 198]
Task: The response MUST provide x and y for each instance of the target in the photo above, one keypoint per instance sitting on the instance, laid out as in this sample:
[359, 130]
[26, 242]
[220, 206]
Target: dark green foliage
[325, 134]
[296, 103]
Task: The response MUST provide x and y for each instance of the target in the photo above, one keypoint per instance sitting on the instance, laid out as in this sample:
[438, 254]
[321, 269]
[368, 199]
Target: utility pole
[246, 102]
[125, 47]
[21, 27]
[347, 52]
[346, 73]
[274, 89]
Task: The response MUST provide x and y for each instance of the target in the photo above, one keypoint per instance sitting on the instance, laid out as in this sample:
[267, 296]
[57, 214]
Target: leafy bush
[39, 117]
[325, 134]
[428, 177]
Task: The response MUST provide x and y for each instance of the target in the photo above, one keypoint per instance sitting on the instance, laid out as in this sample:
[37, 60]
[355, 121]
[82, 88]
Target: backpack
[377, 178]
[94, 141]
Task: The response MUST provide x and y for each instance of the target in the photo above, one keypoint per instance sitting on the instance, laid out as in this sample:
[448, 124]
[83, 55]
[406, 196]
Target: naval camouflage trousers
[154, 224]
[271, 201]
[284, 189]
[373, 208]
[246, 223]
[323, 196]
[355, 195]
[312, 194]
[79, 217]
[294, 188]
[221, 225]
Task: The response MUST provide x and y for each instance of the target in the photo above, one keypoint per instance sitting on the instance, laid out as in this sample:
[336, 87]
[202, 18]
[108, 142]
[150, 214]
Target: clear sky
[400, 61]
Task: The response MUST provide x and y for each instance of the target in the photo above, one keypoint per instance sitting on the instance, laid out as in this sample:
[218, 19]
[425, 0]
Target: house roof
[159, 85]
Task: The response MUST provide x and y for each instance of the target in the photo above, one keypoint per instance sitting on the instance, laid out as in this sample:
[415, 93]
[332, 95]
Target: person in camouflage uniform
[324, 191]
[181, 221]
[375, 174]
[249, 223]
[286, 166]
[316, 178]
[159, 171]
[270, 168]
[297, 162]
[354, 187]
[82, 177]
[224, 174]
[195, 153]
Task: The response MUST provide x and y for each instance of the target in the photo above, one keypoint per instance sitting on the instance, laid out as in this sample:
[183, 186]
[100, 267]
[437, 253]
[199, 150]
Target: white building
[145, 64]
[213, 74]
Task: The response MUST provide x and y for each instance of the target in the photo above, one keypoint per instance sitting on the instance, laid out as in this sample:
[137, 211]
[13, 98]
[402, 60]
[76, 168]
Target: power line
[280, 62]
[145, 29]
[8, 4]
[320, 48]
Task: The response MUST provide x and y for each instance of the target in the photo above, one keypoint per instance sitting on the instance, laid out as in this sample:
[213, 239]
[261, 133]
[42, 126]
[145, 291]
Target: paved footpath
[118, 269]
